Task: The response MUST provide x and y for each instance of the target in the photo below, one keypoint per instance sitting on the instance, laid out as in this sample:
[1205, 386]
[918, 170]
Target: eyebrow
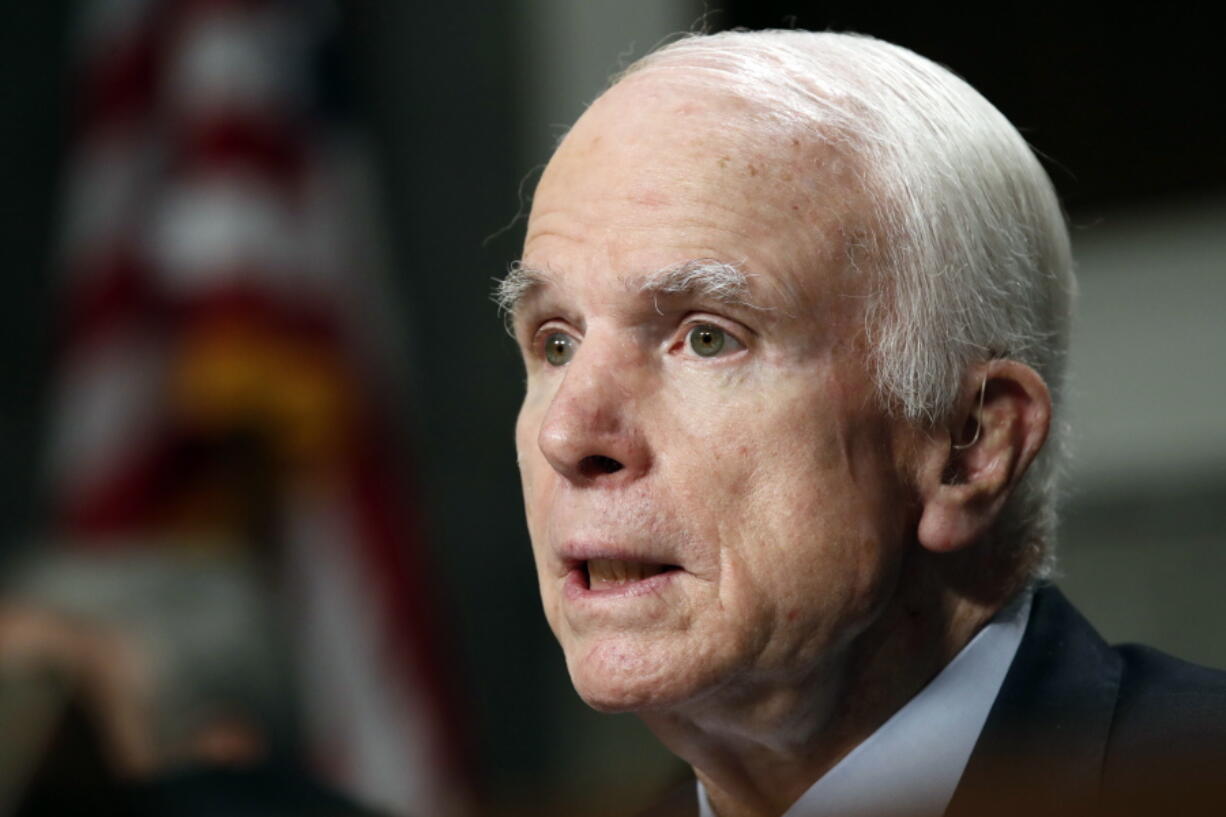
[702, 277]
[520, 282]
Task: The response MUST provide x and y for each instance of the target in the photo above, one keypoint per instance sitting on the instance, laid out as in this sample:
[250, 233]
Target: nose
[591, 433]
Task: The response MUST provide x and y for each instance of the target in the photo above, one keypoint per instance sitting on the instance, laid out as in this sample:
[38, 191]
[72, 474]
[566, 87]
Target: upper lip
[576, 553]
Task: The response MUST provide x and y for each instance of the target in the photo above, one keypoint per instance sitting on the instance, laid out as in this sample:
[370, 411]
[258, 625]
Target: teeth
[603, 573]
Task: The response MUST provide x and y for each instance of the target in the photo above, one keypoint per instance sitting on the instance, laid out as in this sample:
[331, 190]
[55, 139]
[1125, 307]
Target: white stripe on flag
[238, 59]
[107, 189]
[210, 228]
[375, 721]
[109, 397]
[101, 25]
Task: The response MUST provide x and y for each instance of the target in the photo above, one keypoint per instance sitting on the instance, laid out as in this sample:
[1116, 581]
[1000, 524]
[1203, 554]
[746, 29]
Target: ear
[973, 464]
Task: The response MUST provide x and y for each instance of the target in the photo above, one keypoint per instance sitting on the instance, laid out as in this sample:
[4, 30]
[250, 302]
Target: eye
[559, 348]
[708, 340]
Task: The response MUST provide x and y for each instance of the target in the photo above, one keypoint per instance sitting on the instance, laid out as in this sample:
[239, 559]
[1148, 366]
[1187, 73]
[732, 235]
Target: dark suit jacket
[1083, 728]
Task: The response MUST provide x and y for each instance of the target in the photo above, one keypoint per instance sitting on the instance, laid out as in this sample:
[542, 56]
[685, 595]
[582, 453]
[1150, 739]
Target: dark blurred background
[450, 110]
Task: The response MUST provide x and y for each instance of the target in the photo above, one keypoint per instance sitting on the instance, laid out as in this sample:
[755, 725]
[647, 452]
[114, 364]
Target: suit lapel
[1041, 750]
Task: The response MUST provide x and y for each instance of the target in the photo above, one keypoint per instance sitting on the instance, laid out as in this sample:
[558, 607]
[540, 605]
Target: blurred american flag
[224, 371]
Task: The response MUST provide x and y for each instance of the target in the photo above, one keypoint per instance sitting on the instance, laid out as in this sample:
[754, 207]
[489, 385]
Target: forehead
[657, 174]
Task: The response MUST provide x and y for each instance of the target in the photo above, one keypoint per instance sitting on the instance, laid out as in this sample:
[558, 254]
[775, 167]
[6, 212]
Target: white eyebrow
[701, 277]
[520, 281]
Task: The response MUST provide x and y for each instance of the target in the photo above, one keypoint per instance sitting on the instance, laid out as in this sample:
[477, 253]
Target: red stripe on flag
[401, 571]
[121, 504]
[112, 291]
[268, 145]
[120, 78]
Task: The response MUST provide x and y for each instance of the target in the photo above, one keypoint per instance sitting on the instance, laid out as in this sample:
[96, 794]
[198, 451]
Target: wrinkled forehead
[660, 158]
[695, 112]
[675, 120]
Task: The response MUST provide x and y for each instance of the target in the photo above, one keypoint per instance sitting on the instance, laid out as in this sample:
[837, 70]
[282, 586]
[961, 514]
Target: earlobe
[975, 463]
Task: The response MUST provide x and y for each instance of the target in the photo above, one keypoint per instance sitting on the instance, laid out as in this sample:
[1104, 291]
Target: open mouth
[610, 574]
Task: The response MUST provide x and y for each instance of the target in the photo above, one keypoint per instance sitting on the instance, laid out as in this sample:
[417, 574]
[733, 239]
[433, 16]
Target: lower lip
[577, 588]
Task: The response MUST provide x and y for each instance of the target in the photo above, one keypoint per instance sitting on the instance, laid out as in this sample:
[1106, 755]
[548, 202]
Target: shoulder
[1169, 732]
[1149, 703]
[1159, 692]
[1079, 722]
[1153, 681]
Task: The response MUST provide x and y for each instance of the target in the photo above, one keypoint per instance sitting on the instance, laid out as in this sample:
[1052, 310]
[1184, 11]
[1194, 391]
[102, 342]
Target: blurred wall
[33, 77]
[1142, 546]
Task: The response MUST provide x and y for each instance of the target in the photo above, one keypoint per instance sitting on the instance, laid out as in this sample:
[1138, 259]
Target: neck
[758, 748]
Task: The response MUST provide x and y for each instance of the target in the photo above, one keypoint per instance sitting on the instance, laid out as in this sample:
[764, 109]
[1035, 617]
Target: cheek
[803, 517]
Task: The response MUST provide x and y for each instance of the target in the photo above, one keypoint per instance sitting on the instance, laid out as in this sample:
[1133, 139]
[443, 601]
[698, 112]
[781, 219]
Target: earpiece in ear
[983, 388]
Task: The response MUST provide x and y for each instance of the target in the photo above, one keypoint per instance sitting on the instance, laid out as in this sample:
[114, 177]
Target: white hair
[971, 256]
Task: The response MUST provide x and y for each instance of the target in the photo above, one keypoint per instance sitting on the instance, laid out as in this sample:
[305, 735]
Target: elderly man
[794, 310]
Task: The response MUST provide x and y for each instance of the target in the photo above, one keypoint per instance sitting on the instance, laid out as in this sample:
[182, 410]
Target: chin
[621, 675]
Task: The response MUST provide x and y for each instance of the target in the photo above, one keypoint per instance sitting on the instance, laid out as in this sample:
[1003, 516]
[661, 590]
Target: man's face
[714, 499]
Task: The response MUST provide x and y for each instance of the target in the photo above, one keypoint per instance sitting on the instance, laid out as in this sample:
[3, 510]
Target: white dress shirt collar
[911, 765]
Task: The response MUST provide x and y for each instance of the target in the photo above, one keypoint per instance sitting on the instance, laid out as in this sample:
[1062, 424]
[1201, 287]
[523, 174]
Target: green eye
[707, 340]
[559, 348]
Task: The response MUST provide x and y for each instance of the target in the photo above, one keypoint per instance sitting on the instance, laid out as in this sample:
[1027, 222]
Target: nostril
[596, 465]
